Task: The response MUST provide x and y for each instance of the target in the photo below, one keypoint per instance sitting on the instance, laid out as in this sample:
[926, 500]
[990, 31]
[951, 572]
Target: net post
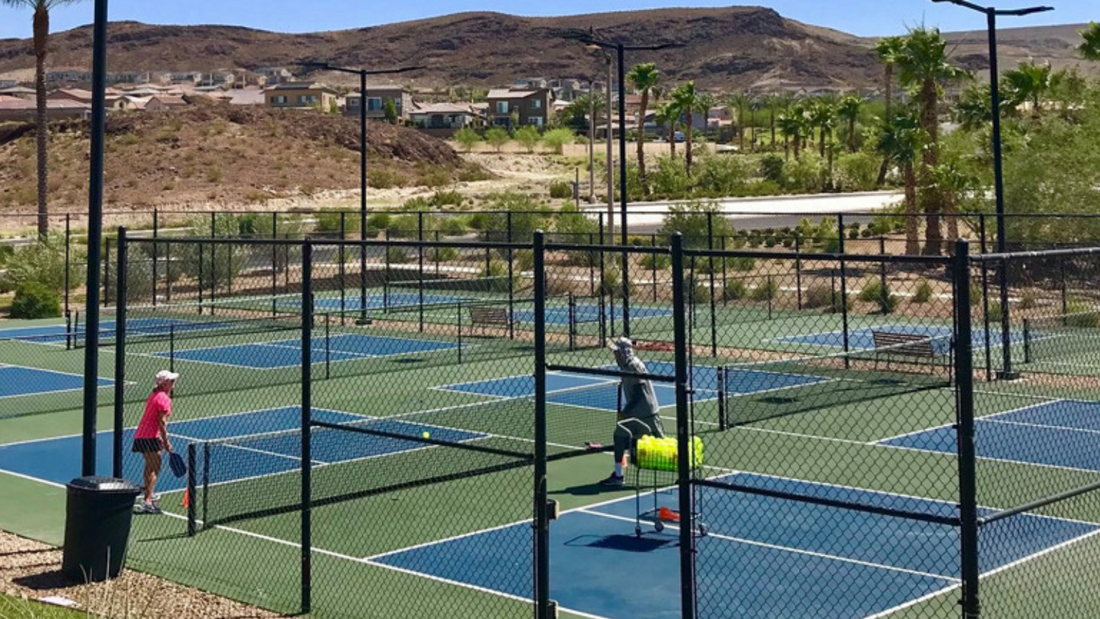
[986, 323]
[542, 515]
[171, 348]
[1006, 326]
[275, 263]
[511, 284]
[968, 487]
[723, 424]
[205, 482]
[591, 267]
[572, 322]
[120, 355]
[1027, 340]
[725, 275]
[683, 434]
[798, 268]
[306, 423]
[882, 273]
[710, 268]
[1064, 289]
[458, 324]
[328, 345]
[343, 267]
[191, 498]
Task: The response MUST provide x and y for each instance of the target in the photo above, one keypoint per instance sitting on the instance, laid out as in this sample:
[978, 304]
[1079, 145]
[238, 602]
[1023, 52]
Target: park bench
[892, 345]
[487, 316]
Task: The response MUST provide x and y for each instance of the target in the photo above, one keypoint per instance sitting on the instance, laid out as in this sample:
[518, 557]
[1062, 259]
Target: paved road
[769, 212]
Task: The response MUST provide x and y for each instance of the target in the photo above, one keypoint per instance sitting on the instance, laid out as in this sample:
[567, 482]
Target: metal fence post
[307, 424]
[542, 515]
[683, 433]
[106, 270]
[843, 289]
[710, 267]
[420, 266]
[968, 485]
[68, 258]
[156, 252]
[120, 356]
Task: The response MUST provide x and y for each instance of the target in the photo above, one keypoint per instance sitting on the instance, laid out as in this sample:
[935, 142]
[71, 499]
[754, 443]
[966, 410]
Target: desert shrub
[561, 190]
[383, 178]
[922, 293]
[528, 137]
[691, 220]
[817, 296]
[43, 263]
[735, 291]
[659, 262]
[556, 139]
[497, 137]
[467, 138]
[765, 291]
[1081, 314]
[443, 254]
[857, 171]
[34, 300]
[397, 255]
[443, 198]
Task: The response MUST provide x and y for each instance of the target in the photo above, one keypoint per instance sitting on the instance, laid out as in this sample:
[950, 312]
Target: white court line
[990, 417]
[797, 551]
[1042, 426]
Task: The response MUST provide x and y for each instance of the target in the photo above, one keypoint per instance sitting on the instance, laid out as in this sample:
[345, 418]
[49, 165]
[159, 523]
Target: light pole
[991, 14]
[95, 240]
[362, 73]
[590, 40]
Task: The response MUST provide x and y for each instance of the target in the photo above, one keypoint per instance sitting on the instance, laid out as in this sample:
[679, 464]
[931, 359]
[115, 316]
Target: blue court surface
[57, 460]
[288, 353]
[1059, 433]
[601, 392]
[831, 559]
[376, 301]
[45, 334]
[18, 381]
[863, 339]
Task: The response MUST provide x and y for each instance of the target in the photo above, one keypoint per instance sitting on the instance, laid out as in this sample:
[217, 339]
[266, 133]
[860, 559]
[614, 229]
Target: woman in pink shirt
[151, 436]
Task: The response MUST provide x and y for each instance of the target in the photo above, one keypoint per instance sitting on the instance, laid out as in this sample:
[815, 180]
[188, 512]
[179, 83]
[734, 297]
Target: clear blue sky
[861, 17]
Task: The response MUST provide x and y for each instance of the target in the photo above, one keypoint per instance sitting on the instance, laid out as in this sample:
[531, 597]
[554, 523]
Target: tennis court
[1058, 433]
[280, 354]
[18, 381]
[864, 339]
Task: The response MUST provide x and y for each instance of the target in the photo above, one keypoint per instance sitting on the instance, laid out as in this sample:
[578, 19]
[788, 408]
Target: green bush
[498, 270]
[443, 254]
[6, 252]
[694, 220]
[376, 223]
[668, 177]
[735, 291]
[659, 262]
[700, 294]
[329, 222]
[871, 292]
[857, 171]
[922, 293]
[497, 137]
[772, 168]
[805, 174]
[765, 291]
[443, 198]
[467, 138]
[35, 300]
[722, 175]
[453, 226]
[528, 137]
[1028, 300]
[561, 190]
[43, 263]
[397, 255]
[556, 139]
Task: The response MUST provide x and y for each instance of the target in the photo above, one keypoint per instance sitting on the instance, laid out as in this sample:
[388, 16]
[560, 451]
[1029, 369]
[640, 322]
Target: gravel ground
[30, 569]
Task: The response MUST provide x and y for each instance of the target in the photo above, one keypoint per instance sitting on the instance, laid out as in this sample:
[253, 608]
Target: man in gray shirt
[639, 416]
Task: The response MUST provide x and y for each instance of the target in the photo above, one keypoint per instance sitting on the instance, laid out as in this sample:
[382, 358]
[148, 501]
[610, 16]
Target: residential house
[275, 75]
[568, 90]
[161, 103]
[531, 83]
[21, 92]
[8, 83]
[301, 95]
[186, 77]
[523, 107]
[16, 109]
[222, 77]
[377, 99]
[78, 95]
[245, 96]
[443, 119]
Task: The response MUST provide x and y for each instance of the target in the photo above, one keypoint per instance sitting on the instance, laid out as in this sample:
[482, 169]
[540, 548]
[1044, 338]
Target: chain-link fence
[418, 428]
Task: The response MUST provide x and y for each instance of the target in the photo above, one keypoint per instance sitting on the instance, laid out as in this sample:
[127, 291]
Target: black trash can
[97, 527]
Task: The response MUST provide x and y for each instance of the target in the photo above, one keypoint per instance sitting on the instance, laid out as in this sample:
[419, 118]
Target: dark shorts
[146, 445]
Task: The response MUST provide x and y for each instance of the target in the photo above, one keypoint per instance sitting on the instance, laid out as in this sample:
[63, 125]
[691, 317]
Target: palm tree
[643, 77]
[848, 110]
[888, 50]
[792, 124]
[1090, 46]
[900, 141]
[668, 116]
[924, 65]
[822, 116]
[687, 99]
[739, 101]
[1029, 83]
[41, 25]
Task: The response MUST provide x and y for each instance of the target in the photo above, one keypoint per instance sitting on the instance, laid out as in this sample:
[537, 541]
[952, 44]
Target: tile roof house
[508, 106]
[377, 97]
[18, 91]
[452, 116]
[301, 95]
[13, 108]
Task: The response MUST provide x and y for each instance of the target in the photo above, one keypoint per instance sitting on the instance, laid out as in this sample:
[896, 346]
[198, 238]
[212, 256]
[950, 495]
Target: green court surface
[838, 440]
